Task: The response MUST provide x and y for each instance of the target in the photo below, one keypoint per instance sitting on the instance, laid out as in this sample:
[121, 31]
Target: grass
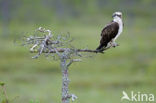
[102, 78]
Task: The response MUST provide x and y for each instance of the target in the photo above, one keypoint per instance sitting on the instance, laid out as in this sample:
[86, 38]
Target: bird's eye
[119, 16]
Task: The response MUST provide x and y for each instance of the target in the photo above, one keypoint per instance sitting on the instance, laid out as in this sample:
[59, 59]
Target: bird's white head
[117, 14]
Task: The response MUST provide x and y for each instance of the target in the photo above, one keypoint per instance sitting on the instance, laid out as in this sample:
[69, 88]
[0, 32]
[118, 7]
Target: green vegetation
[99, 79]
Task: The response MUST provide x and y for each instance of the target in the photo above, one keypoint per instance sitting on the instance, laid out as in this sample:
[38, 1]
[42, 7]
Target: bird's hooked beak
[117, 14]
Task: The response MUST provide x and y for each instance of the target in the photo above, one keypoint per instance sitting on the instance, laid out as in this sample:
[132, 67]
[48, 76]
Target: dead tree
[58, 46]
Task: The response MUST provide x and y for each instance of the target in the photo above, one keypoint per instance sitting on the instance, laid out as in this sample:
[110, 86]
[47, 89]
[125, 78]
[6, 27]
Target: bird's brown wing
[108, 33]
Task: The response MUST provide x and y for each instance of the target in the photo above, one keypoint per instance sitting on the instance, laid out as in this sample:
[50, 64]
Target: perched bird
[111, 32]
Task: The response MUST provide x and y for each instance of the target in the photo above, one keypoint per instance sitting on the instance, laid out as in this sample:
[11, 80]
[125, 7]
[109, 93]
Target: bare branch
[73, 60]
[41, 29]
[63, 49]
[56, 51]
[33, 47]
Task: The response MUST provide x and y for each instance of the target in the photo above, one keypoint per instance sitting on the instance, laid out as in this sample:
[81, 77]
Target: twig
[73, 60]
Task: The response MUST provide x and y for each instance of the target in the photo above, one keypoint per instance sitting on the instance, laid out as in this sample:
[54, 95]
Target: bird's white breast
[119, 21]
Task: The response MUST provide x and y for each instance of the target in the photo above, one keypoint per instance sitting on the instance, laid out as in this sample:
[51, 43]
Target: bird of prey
[111, 32]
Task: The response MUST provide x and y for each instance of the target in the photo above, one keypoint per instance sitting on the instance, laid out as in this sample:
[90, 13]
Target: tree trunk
[65, 82]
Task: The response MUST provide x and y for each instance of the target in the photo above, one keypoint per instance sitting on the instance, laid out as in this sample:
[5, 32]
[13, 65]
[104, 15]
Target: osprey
[111, 32]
